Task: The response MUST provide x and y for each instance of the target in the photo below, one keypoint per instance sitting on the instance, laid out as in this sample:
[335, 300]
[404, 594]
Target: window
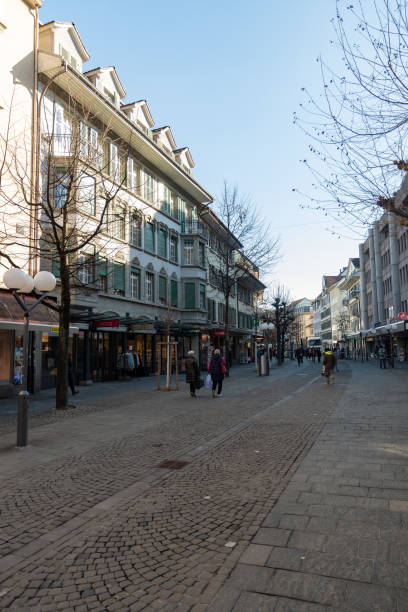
[174, 293]
[174, 249]
[162, 243]
[86, 271]
[166, 201]
[133, 177]
[201, 254]
[162, 290]
[88, 145]
[119, 223]
[189, 295]
[188, 250]
[87, 194]
[103, 275]
[181, 210]
[113, 161]
[135, 283]
[61, 187]
[173, 209]
[149, 187]
[136, 230]
[119, 273]
[149, 238]
[61, 131]
[202, 298]
[212, 315]
[55, 264]
[149, 287]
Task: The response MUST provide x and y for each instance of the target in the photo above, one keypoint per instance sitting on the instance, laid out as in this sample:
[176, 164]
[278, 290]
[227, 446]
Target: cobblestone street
[91, 520]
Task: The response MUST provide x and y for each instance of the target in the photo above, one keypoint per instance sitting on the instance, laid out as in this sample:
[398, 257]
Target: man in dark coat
[192, 373]
[217, 368]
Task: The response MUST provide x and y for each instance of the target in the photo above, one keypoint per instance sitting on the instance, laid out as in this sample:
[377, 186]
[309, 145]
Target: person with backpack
[217, 368]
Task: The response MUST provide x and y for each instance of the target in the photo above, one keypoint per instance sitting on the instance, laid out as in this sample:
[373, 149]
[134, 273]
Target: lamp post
[21, 283]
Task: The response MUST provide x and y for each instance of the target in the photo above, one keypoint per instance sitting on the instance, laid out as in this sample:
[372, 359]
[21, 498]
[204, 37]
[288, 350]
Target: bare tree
[247, 247]
[342, 322]
[66, 215]
[279, 309]
[358, 124]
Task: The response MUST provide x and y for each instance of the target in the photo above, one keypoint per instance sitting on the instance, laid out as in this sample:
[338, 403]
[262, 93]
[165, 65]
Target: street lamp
[21, 283]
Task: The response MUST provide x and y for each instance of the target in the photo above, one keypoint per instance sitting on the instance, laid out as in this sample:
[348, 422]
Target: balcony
[193, 228]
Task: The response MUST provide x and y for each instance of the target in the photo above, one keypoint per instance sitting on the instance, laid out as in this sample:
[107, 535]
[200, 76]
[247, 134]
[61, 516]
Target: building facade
[145, 274]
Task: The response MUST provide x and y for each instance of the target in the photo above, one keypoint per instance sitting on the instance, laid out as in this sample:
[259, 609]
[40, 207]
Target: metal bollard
[22, 412]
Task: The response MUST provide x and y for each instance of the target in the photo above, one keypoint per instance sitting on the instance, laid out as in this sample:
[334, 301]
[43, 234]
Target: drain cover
[171, 464]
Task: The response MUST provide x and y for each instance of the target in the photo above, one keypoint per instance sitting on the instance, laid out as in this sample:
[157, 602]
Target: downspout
[34, 161]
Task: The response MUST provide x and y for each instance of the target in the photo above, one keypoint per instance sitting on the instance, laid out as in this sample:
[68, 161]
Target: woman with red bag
[217, 368]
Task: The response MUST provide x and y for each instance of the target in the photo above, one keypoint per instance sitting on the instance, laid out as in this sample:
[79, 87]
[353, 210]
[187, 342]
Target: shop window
[162, 243]
[174, 293]
[162, 290]
[135, 283]
[149, 237]
[189, 295]
[119, 273]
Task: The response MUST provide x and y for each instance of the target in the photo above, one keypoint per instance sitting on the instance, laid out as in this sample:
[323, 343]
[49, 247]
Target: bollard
[22, 412]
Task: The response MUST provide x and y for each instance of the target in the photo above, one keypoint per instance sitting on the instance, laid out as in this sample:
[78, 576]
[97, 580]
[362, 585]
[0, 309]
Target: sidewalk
[45, 400]
[337, 539]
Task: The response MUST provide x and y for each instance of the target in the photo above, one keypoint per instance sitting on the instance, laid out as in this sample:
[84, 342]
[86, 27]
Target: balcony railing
[193, 228]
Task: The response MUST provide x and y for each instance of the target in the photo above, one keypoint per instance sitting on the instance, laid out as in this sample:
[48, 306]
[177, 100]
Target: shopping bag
[208, 381]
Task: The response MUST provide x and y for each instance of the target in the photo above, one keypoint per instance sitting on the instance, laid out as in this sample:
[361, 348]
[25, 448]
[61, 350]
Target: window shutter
[149, 237]
[119, 276]
[174, 293]
[162, 243]
[189, 295]
[162, 288]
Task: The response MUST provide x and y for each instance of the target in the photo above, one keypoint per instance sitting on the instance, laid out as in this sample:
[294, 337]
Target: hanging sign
[402, 316]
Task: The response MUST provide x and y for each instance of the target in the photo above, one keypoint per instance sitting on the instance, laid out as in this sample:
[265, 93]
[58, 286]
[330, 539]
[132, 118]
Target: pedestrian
[313, 355]
[319, 355]
[298, 355]
[192, 373]
[217, 368]
[382, 357]
[329, 363]
[71, 380]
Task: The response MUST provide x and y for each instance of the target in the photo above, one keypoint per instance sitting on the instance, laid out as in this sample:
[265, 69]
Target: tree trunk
[62, 359]
[226, 334]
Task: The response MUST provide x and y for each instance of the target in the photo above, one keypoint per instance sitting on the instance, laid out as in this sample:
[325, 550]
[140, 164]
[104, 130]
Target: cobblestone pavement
[337, 538]
[95, 524]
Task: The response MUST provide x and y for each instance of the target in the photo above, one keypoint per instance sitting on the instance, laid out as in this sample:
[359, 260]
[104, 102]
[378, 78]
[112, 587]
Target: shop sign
[219, 333]
[402, 316]
[54, 329]
[108, 323]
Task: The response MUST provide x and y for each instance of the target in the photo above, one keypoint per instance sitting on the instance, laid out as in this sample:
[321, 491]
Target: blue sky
[226, 76]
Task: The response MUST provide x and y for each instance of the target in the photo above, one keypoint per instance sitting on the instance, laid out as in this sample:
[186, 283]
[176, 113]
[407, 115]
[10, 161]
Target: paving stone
[254, 602]
[271, 536]
[255, 554]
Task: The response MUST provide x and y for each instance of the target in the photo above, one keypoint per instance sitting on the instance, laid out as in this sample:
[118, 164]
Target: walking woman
[192, 373]
[217, 368]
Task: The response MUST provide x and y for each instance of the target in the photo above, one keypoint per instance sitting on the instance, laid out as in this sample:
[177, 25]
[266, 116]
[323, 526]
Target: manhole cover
[173, 465]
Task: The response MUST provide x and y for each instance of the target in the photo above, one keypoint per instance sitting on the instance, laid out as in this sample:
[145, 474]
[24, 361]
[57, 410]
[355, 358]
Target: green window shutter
[119, 277]
[103, 267]
[189, 295]
[162, 288]
[149, 237]
[174, 293]
[162, 243]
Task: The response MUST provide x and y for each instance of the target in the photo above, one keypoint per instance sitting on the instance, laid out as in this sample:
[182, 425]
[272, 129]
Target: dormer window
[70, 59]
[109, 95]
